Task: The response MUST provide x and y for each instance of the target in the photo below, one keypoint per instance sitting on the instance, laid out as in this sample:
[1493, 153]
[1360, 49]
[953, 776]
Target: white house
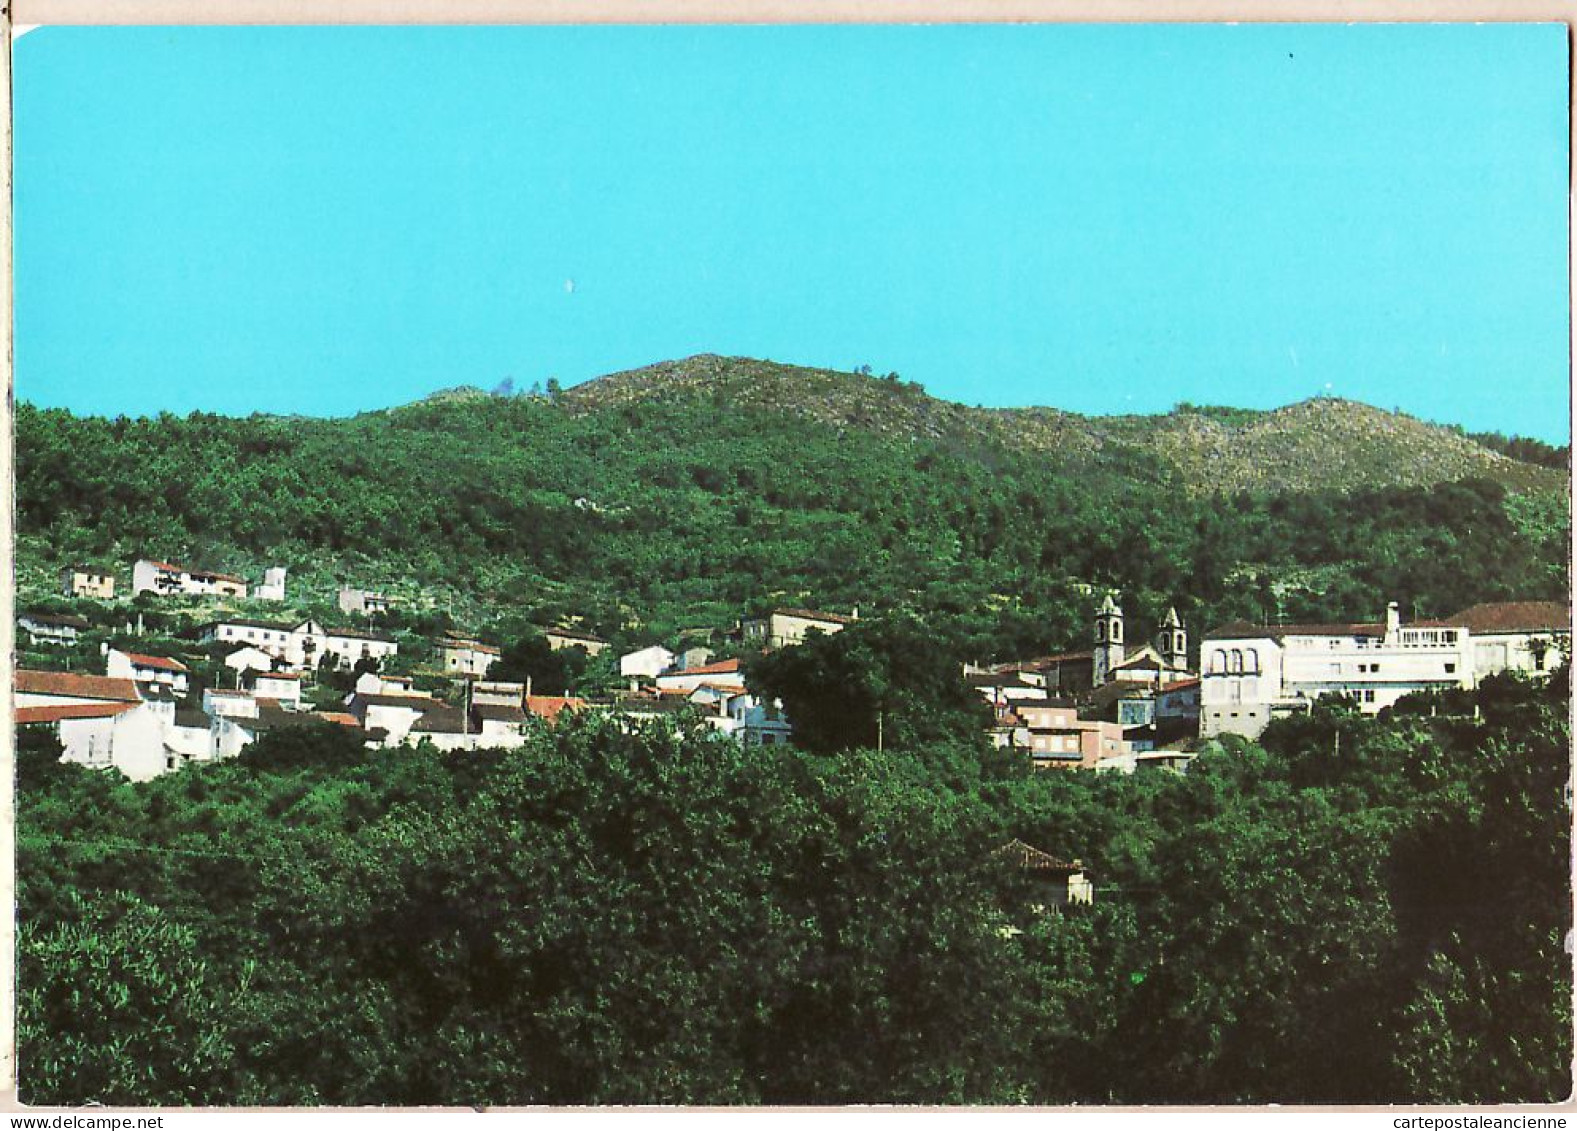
[375, 683]
[189, 735]
[723, 673]
[693, 657]
[152, 576]
[217, 702]
[55, 689]
[364, 602]
[392, 716]
[232, 733]
[464, 657]
[758, 722]
[648, 662]
[51, 628]
[302, 646]
[147, 669]
[273, 587]
[128, 737]
[283, 687]
[498, 693]
[1519, 636]
[782, 627]
[249, 658]
[1255, 673]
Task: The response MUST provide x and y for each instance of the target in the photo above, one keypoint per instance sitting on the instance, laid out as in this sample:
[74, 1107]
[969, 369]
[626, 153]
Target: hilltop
[688, 493]
[1319, 444]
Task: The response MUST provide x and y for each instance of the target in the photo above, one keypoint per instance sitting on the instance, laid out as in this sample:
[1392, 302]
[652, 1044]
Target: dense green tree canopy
[1358, 910]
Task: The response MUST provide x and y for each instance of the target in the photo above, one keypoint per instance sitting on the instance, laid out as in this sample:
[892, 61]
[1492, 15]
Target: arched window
[1237, 660]
[1252, 660]
[1218, 660]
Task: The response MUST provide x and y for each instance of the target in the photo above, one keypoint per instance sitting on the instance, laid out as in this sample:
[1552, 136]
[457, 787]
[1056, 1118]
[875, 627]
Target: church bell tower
[1108, 641]
[1171, 642]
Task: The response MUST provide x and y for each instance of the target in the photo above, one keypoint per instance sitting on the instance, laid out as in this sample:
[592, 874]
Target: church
[1110, 664]
[1164, 661]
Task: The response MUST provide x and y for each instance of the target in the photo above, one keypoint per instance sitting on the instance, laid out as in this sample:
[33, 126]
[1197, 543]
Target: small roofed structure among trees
[1063, 882]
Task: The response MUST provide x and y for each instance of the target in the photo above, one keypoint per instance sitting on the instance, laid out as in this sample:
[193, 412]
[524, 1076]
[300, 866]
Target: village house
[648, 663]
[1067, 673]
[388, 719]
[1256, 673]
[247, 659]
[559, 638]
[1054, 735]
[1059, 882]
[1516, 636]
[723, 673]
[1000, 688]
[282, 687]
[782, 627]
[189, 737]
[151, 576]
[464, 657]
[55, 689]
[363, 602]
[755, 721]
[128, 737]
[273, 587]
[101, 721]
[739, 714]
[301, 647]
[52, 628]
[87, 581]
[693, 657]
[1178, 699]
[548, 708]
[504, 693]
[142, 669]
[233, 732]
[373, 683]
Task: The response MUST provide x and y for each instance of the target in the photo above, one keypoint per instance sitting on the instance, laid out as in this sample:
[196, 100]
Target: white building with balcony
[1256, 673]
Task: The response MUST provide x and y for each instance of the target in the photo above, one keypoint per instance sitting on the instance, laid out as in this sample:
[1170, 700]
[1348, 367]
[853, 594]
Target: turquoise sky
[1104, 219]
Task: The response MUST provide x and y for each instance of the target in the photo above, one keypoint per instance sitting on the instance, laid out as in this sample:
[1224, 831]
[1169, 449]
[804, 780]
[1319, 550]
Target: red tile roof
[718, 668]
[549, 707]
[339, 717]
[1515, 616]
[77, 686]
[54, 712]
[162, 663]
[1181, 684]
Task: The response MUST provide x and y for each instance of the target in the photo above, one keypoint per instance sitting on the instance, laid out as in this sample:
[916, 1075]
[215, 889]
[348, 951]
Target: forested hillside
[692, 492]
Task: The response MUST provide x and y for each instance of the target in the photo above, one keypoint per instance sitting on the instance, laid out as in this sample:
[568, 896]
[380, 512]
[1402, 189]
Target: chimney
[854, 613]
[1393, 620]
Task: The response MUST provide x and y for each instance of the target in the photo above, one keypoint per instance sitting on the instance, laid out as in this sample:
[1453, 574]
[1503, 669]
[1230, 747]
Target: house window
[1538, 661]
[1450, 668]
[1368, 695]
